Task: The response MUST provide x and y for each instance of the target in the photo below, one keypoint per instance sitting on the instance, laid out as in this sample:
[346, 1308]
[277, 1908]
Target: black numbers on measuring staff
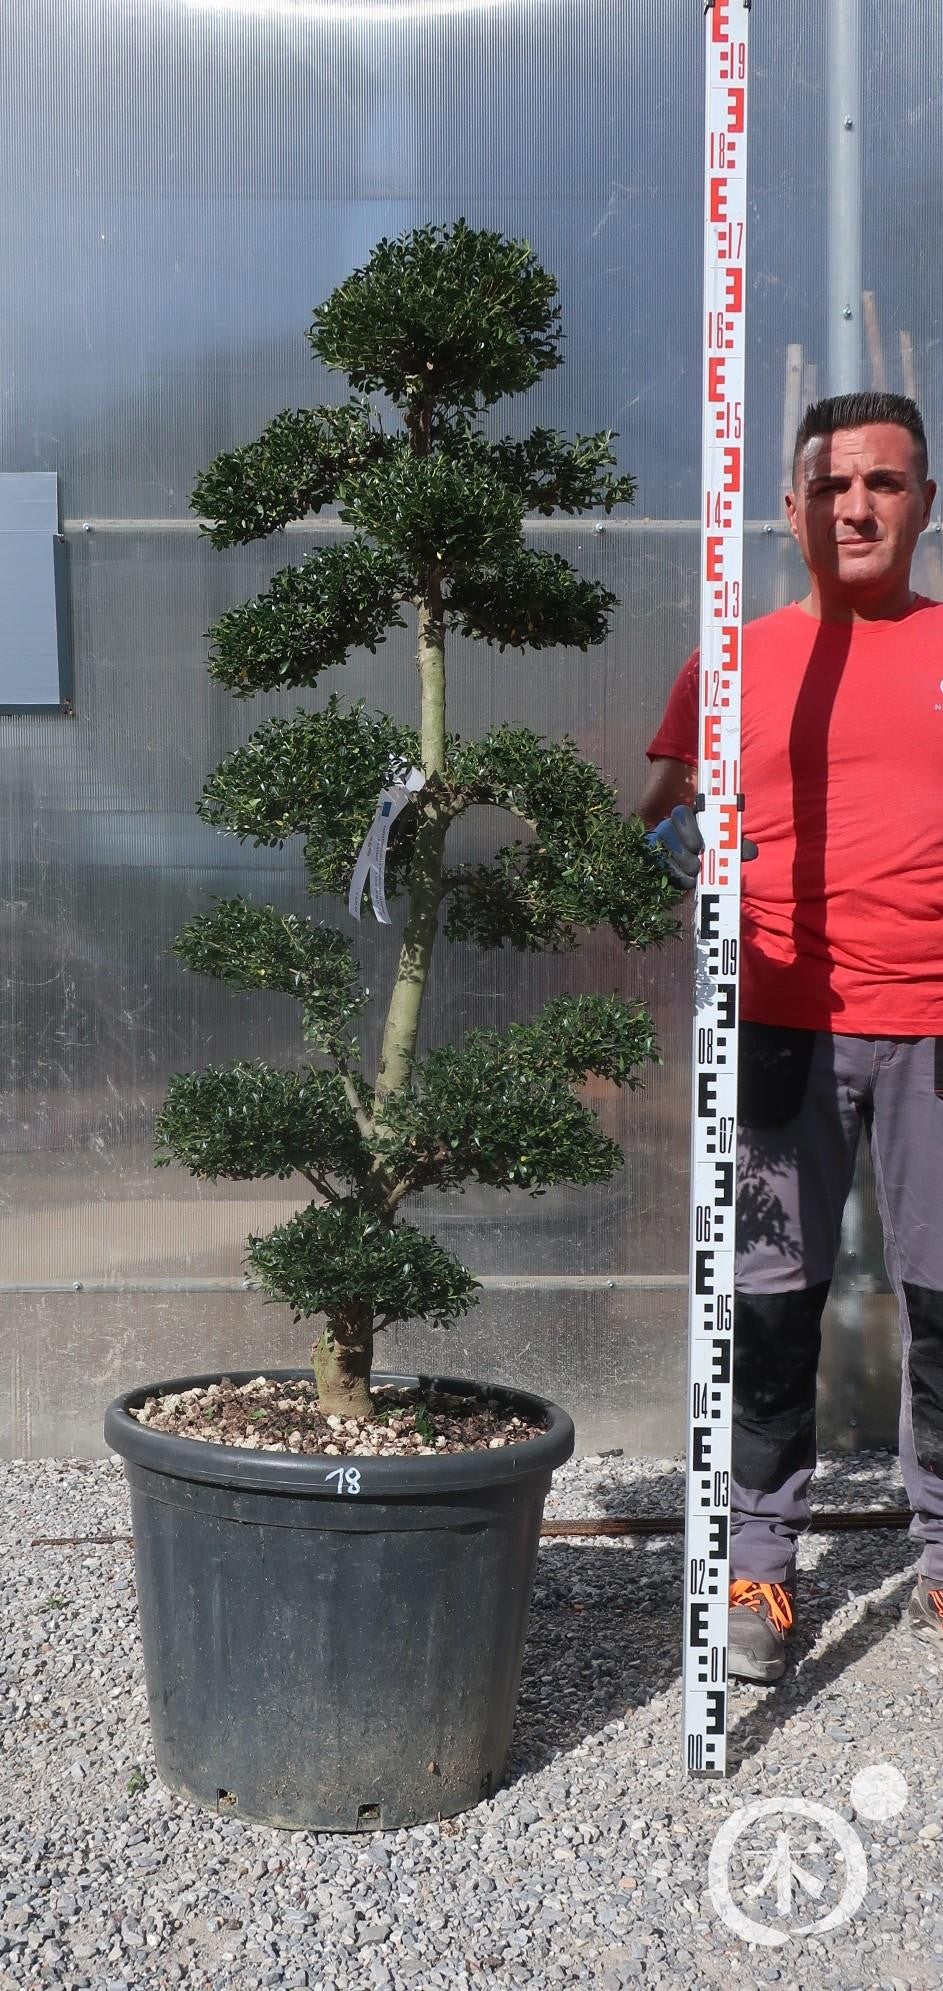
[719, 1138]
[703, 1223]
[707, 1229]
[706, 1095]
[703, 1272]
[706, 1398]
[697, 1575]
[718, 1536]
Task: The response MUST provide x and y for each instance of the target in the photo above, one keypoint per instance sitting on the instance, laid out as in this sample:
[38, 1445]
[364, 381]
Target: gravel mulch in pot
[267, 1415]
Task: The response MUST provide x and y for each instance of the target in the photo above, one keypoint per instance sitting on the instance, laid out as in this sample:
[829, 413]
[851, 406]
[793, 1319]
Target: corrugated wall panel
[180, 183]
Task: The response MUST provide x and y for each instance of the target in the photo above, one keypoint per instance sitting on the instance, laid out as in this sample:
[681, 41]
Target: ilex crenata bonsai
[442, 324]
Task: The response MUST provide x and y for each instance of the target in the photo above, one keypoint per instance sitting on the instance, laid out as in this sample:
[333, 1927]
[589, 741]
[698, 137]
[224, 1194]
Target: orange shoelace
[935, 1597]
[746, 1591]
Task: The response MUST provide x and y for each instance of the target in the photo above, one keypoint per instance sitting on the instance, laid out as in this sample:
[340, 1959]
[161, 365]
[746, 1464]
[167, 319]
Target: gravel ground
[590, 1867]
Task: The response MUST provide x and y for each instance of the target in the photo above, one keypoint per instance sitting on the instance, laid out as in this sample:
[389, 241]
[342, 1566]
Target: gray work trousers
[804, 1097]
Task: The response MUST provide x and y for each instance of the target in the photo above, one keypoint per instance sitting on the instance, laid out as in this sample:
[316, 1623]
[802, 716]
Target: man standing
[841, 982]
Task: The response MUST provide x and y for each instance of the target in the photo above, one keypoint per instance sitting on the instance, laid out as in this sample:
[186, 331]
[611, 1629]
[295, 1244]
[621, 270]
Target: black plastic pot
[330, 1644]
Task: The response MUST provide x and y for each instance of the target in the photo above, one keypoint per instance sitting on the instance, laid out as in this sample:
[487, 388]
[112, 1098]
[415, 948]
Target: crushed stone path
[590, 1867]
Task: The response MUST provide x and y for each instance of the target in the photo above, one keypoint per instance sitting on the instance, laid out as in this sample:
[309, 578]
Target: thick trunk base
[342, 1359]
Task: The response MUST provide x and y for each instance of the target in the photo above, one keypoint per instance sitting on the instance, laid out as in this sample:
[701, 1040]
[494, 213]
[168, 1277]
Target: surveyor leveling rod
[717, 908]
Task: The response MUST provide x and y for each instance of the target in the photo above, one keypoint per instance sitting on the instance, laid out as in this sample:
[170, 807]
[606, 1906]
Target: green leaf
[259, 947]
[456, 315]
[588, 865]
[318, 774]
[444, 321]
[250, 1122]
[432, 512]
[528, 601]
[548, 472]
[501, 1108]
[295, 467]
[583, 1034]
[309, 618]
[332, 1260]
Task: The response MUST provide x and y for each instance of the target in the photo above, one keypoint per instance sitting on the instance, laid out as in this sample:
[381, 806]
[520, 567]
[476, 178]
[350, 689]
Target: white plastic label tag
[371, 858]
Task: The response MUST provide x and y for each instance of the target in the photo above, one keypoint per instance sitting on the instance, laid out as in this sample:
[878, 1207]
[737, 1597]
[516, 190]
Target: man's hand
[678, 843]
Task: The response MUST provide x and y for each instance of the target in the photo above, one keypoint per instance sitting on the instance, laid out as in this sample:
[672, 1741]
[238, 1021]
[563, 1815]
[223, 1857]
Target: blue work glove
[678, 844]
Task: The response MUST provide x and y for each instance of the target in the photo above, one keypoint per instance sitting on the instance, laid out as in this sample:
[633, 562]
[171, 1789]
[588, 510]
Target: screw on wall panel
[76, 1285]
[849, 124]
[599, 528]
[847, 313]
[767, 528]
[86, 527]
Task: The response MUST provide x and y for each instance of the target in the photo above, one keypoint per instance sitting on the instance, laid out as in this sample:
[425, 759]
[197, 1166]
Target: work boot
[762, 1616]
[925, 1609]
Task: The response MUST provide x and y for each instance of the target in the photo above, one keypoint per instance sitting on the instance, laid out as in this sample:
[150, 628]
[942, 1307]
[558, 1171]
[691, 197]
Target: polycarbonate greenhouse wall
[183, 180]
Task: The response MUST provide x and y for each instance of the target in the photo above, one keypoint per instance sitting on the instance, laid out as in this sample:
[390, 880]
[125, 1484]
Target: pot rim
[316, 1473]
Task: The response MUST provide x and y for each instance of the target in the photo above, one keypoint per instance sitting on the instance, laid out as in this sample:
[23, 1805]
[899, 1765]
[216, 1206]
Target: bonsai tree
[443, 323]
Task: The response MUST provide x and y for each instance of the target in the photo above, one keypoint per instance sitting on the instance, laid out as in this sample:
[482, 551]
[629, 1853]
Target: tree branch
[324, 1188]
[398, 1191]
[353, 1097]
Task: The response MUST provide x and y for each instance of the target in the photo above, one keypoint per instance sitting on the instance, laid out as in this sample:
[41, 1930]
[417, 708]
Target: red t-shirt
[842, 771]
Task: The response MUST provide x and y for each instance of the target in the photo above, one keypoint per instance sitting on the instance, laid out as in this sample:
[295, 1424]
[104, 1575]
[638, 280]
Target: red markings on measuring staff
[725, 600]
[719, 512]
[713, 1155]
[716, 690]
[730, 648]
[723, 152]
[732, 60]
[724, 776]
[729, 241]
[733, 290]
[728, 422]
[732, 459]
[721, 335]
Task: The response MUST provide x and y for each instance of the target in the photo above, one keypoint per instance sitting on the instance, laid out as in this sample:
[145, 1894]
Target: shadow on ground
[605, 1634]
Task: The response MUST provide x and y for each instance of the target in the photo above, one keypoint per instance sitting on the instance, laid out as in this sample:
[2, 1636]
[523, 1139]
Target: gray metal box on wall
[35, 674]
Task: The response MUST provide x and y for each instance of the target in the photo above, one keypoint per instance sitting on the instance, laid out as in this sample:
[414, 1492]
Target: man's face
[859, 507]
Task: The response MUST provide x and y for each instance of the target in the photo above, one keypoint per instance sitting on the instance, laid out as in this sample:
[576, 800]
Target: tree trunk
[342, 1360]
[425, 883]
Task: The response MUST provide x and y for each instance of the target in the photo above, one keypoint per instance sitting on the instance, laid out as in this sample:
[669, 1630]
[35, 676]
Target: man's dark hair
[852, 411]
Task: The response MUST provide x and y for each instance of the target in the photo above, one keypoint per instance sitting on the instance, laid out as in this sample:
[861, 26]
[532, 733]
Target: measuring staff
[841, 994]
[716, 875]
